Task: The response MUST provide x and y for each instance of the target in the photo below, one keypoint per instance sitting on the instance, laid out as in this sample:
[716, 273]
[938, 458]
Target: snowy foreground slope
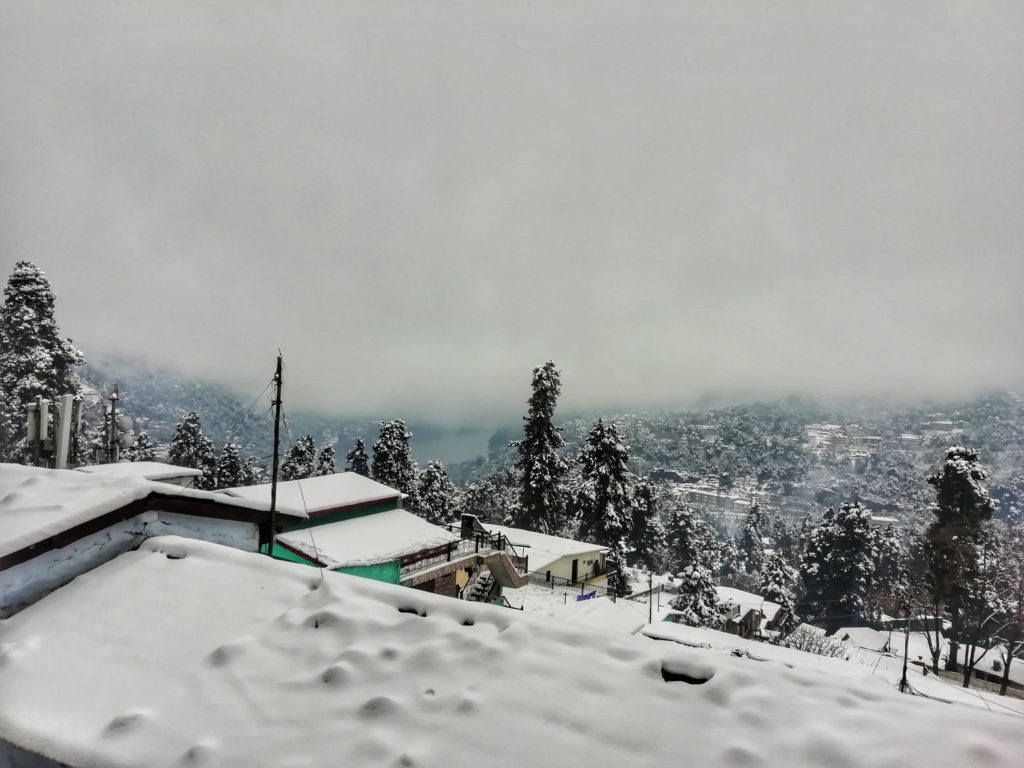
[188, 653]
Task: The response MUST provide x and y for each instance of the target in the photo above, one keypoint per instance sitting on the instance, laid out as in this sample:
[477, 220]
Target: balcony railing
[472, 543]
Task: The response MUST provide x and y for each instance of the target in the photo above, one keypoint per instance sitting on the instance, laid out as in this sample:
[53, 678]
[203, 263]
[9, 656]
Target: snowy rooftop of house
[863, 637]
[377, 538]
[326, 493]
[38, 503]
[748, 601]
[147, 470]
[212, 656]
[544, 549]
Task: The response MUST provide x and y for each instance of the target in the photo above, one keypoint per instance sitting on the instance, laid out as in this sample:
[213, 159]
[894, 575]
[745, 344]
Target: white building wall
[562, 569]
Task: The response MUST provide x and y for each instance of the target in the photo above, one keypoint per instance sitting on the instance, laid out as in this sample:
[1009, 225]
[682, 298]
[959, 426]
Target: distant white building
[556, 558]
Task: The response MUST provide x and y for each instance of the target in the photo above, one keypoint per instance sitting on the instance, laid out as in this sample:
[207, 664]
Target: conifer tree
[189, 447]
[356, 459]
[300, 461]
[837, 567]
[697, 599]
[647, 539]
[325, 461]
[435, 498]
[690, 540]
[750, 541]
[392, 461]
[34, 360]
[604, 500]
[230, 469]
[143, 449]
[542, 502]
[962, 505]
[778, 583]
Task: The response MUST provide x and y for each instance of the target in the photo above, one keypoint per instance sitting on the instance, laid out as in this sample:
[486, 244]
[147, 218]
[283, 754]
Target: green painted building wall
[388, 572]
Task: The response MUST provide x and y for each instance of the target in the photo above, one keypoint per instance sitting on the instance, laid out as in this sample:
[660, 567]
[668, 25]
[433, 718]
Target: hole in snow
[407, 609]
[678, 672]
[175, 555]
[467, 623]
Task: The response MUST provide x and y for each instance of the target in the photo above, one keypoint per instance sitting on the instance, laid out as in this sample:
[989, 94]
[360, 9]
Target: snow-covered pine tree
[143, 449]
[189, 447]
[356, 459]
[730, 567]
[697, 599]
[647, 541]
[778, 584]
[888, 593]
[230, 470]
[435, 499]
[962, 505]
[300, 461]
[750, 541]
[34, 359]
[325, 461]
[542, 499]
[838, 565]
[604, 500]
[392, 461]
[690, 540]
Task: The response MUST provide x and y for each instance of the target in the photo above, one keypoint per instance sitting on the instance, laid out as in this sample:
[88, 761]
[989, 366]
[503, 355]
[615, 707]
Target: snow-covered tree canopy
[300, 461]
[542, 466]
[189, 447]
[435, 500]
[392, 461]
[34, 360]
[356, 459]
[838, 565]
[697, 600]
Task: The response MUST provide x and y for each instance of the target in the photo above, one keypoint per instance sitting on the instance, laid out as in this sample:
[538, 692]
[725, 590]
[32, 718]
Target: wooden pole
[277, 443]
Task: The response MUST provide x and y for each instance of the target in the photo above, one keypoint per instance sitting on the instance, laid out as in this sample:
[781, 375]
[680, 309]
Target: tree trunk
[1011, 646]
[954, 632]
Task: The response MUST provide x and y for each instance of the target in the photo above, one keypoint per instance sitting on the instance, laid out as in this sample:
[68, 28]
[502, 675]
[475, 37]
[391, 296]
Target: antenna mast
[277, 442]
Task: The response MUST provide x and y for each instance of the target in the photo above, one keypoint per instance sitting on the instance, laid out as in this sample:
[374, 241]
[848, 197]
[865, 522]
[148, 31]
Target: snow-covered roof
[544, 549]
[147, 470]
[377, 538]
[747, 601]
[37, 503]
[212, 656]
[863, 637]
[316, 495]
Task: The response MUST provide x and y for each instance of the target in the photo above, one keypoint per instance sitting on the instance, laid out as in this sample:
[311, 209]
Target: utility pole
[277, 442]
[112, 429]
[650, 597]
[904, 685]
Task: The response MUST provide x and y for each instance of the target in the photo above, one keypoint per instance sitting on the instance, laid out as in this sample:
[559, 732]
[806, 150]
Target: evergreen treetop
[356, 459]
[34, 360]
[542, 467]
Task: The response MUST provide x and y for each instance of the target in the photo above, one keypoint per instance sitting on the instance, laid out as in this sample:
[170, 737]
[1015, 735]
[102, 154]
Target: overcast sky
[418, 202]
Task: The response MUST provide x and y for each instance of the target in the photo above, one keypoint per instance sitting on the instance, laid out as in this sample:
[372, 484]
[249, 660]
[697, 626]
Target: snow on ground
[863, 665]
[188, 653]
